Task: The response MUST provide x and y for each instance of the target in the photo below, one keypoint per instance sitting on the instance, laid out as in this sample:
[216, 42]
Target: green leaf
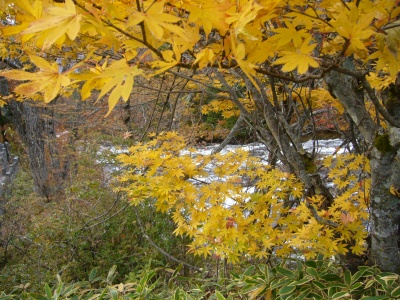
[48, 291]
[92, 274]
[375, 298]
[114, 294]
[347, 277]
[386, 278]
[396, 292]
[369, 283]
[315, 296]
[278, 283]
[360, 273]
[111, 274]
[249, 271]
[356, 286]
[320, 260]
[331, 291]
[177, 295]
[304, 294]
[299, 265]
[311, 264]
[285, 272]
[286, 290]
[177, 270]
[312, 272]
[303, 281]
[319, 285]
[331, 277]
[339, 295]
[337, 285]
[219, 296]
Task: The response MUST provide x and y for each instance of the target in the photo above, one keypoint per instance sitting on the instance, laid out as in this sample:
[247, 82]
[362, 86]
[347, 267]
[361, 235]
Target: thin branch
[85, 226]
[230, 136]
[319, 218]
[169, 256]
[394, 25]
[124, 32]
[382, 110]
[288, 78]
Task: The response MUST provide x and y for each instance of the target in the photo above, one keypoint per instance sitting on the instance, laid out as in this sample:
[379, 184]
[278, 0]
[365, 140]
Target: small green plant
[318, 279]
[290, 280]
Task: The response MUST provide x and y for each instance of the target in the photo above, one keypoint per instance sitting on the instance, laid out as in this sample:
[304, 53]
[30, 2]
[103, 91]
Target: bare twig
[169, 256]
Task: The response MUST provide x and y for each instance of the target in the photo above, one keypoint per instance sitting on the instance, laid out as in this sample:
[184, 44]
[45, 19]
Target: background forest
[120, 114]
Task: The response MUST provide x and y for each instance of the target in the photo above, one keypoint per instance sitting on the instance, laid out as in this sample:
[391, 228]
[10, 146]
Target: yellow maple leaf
[168, 63]
[119, 78]
[289, 34]
[48, 80]
[301, 59]
[239, 53]
[59, 21]
[240, 19]
[31, 12]
[354, 26]
[209, 14]
[156, 21]
[204, 57]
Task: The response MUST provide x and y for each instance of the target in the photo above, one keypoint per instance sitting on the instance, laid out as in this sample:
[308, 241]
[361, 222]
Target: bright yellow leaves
[251, 35]
[209, 14]
[356, 28]
[233, 204]
[118, 79]
[60, 21]
[243, 17]
[156, 21]
[53, 25]
[47, 81]
[301, 59]
[31, 12]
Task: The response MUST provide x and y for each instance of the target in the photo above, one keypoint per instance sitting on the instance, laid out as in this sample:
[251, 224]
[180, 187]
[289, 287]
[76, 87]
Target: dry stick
[230, 136]
[152, 113]
[168, 96]
[106, 219]
[85, 226]
[169, 256]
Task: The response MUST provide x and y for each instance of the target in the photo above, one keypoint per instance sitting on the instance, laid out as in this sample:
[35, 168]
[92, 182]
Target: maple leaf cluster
[233, 204]
[110, 44]
[256, 36]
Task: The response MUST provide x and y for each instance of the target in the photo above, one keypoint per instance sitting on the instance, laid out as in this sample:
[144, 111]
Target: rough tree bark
[35, 124]
[384, 156]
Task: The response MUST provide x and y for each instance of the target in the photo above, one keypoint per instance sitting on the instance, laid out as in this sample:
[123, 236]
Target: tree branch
[169, 256]
[382, 110]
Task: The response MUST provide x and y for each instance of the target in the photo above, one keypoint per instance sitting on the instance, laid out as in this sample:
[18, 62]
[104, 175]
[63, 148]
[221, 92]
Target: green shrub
[314, 279]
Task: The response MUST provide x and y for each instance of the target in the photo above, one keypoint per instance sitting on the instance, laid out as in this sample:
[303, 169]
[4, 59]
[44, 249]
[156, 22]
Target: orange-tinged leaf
[346, 218]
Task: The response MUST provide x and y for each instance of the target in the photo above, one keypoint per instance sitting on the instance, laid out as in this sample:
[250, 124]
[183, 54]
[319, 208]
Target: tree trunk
[385, 170]
[385, 209]
[35, 124]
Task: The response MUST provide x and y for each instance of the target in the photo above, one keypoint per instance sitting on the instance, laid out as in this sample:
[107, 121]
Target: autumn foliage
[246, 207]
[267, 61]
